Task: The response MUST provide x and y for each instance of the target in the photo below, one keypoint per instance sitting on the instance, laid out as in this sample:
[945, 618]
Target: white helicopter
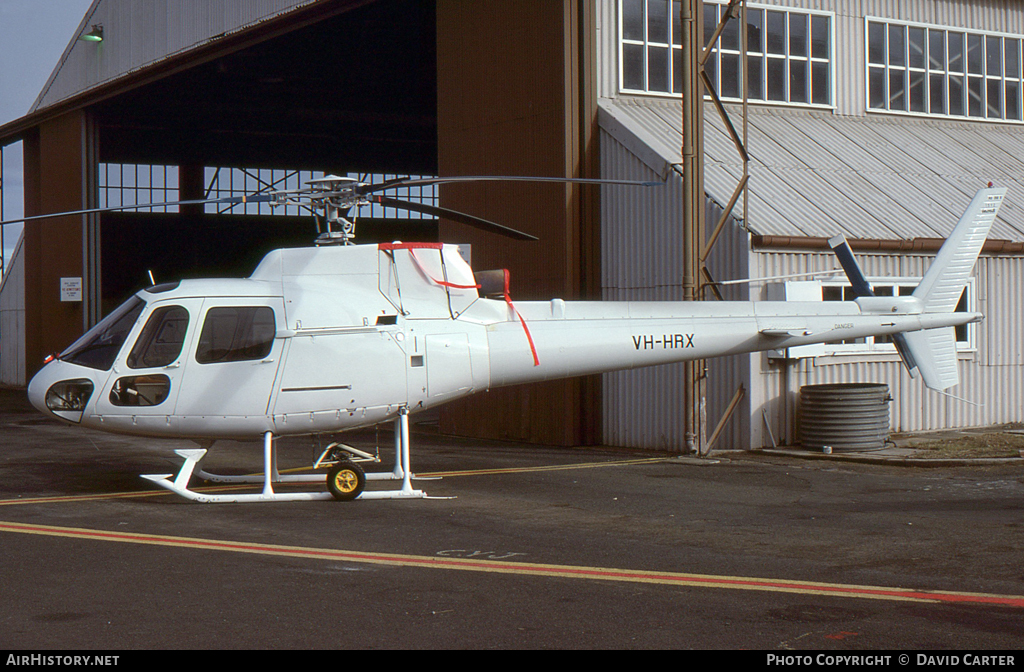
[340, 336]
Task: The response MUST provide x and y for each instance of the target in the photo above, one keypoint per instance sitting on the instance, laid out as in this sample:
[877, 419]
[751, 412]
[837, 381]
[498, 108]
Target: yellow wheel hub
[346, 480]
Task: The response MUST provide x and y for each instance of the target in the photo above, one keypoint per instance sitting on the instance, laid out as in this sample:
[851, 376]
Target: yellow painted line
[227, 488]
[80, 498]
[524, 568]
[553, 467]
[62, 499]
[520, 470]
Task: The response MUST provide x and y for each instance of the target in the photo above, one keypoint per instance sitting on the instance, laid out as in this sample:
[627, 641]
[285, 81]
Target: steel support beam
[693, 194]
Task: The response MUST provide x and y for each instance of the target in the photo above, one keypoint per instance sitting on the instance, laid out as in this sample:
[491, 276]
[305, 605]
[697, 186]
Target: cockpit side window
[98, 348]
[236, 334]
[161, 339]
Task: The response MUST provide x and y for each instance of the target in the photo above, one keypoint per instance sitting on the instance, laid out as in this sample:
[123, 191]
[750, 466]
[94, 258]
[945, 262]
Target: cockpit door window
[161, 339]
[149, 390]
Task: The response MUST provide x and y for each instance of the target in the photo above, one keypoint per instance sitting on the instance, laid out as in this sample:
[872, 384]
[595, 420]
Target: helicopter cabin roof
[317, 261]
[814, 173]
[332, 286]
[212, 287]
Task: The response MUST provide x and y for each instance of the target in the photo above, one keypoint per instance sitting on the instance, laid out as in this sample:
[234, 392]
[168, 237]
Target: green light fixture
[94, 35]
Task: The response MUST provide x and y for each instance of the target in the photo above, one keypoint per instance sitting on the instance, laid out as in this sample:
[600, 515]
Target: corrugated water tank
[844, 416]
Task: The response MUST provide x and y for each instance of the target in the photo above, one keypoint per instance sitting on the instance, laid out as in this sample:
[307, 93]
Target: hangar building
[874, 119]
[871, 118]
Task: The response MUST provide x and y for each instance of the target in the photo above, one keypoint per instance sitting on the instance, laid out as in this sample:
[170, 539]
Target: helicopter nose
[60, 390]
[37, 390]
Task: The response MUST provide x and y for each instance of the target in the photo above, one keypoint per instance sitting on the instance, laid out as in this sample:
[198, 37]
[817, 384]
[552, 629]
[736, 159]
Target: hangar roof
[140, 33]
[814, 174]
[303, 84]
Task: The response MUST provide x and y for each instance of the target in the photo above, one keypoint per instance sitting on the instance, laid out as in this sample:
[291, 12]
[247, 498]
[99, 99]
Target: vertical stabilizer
[931, 353]
[946, 278]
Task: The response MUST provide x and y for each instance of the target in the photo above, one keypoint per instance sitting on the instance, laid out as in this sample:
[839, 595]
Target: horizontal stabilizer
[933, 352]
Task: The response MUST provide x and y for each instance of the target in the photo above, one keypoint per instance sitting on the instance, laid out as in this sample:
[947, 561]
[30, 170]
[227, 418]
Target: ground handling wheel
[346, 480]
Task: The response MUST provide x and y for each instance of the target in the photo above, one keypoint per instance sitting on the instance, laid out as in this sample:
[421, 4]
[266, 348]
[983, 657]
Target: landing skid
[178, 484]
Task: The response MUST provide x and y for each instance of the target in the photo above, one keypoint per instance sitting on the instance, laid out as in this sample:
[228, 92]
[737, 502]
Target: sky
[33, 36]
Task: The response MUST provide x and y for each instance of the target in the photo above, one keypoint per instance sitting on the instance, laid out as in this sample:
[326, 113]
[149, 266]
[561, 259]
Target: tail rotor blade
[861, 286]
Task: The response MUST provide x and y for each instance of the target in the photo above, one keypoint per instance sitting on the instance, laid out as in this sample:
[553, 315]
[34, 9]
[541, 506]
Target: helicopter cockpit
[98, 347]
[132, 360]
[96, 350]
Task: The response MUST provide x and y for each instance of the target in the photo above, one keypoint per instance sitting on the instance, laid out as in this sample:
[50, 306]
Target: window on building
[838, 291]
[229, 182]
[938, 71]
[789, 52]
[128, 184]
[123, 184]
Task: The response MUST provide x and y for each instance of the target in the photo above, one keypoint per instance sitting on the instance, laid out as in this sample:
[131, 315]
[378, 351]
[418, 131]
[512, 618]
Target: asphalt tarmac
[524, 547]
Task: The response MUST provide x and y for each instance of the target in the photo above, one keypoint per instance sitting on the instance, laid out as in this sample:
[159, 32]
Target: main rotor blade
[425, 181]
[453, 215]
[231, 200]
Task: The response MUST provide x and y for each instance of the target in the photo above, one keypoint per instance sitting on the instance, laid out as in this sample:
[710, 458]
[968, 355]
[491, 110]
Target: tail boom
[579, 338]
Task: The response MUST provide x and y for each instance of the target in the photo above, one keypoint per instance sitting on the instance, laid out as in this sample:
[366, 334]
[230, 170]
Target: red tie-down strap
[439, 246]
[508, 300]
[387, 247]
[424, 271]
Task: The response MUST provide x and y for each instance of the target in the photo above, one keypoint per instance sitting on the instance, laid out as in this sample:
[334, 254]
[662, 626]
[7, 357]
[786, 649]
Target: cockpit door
[145, 379]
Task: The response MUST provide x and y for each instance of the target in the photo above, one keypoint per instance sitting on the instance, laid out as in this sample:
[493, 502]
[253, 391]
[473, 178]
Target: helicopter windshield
[98, 347]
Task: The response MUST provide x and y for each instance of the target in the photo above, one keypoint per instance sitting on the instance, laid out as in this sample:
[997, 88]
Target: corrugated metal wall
[12, 321]
[641, 261]
[639, 258]
[139, 33]
[991, 375]
[607, 48]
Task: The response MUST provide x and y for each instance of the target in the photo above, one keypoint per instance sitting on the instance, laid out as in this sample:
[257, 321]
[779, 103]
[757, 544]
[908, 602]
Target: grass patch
[986, 444]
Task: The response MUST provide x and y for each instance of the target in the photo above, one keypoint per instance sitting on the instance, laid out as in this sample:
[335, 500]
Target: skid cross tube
[178, 484]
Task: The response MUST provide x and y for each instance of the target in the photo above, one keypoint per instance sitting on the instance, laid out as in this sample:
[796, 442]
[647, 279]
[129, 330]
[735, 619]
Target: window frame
[870, 347]
[714, 68]
[147, 343]
[228, 357]
[109, 334]
[965, 76]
